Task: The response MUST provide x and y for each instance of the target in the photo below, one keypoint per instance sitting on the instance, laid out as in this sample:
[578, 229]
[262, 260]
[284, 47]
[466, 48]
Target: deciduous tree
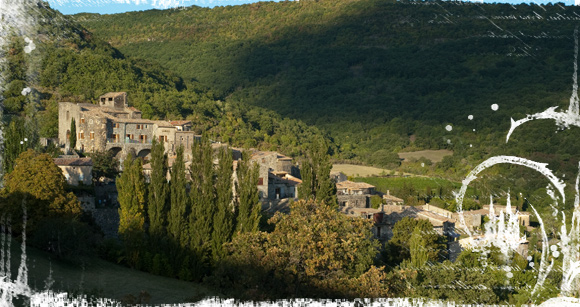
[314, 251]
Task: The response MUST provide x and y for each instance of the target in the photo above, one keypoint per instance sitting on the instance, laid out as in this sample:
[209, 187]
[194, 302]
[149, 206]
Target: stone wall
[76, 174]
[355, 201]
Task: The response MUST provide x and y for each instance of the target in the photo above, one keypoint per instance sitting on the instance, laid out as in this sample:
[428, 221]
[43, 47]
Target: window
[138, 126]
[82, 120]
[142, 138]
[92, 135]
[116, 125]
[82, 135]
[260, 181]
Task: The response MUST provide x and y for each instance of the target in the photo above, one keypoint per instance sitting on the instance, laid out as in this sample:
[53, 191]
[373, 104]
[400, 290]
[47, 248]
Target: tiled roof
[353, 185]
[392, 198]
[180, 122]
[113, 94]
[279, 156]
[163, 123]
[73, 161]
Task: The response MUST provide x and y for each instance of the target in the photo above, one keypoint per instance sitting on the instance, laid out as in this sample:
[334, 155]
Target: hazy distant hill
[379, 76]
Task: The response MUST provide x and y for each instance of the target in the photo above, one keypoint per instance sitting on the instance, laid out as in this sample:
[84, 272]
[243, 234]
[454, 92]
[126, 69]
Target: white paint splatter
[565, 119]
[29, 45]
[470, 117]
[494, 107]
[448, 128]
[26, 91]
[448, 141]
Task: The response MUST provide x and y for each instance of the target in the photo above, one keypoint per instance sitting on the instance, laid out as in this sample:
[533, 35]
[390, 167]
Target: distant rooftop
[353, 185]
[73, 161]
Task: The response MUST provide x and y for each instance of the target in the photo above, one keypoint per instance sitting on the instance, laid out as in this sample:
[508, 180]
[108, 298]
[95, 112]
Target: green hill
[72, 64]
[380, 77]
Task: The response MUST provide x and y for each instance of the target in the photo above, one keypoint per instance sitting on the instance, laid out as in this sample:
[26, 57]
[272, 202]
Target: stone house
[278, 177]
[114, 126]
[76, 170]
[354, 194]
[392, 200]
[473, 218]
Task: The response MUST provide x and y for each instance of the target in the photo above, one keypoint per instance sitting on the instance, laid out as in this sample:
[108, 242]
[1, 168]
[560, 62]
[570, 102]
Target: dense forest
[371, 78]
[379, 77]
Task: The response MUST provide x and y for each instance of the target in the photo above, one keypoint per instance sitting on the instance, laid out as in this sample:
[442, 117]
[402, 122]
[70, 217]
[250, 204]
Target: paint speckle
[556, 254]
[470, 117]
[30, 45]
[510, 275]
[448, 141]
[422, 164]
[532, 264]
[473, 130]
[530, 258]
[26, 91]
[470, 145]
[494, 107]
[553, 248]
[448, 128]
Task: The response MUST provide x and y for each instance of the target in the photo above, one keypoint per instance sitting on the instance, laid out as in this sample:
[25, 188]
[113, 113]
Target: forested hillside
[381, 77]
[70, 64]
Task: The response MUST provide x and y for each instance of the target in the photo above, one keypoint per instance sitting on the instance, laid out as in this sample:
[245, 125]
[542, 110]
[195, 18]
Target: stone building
[76, 170]
[278, 178]
[114, 126]
[354, 194]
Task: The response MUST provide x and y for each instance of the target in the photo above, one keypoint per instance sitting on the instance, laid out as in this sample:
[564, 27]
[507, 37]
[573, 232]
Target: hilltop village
[110, 125]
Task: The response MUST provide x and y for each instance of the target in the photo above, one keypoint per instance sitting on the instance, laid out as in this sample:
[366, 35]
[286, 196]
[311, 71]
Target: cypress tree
[249, 207]
[315, 172]
[131, 197]
[223, 218]
[203, 203]
[72, 138]
[158, 191]
[13, 135]
[178, 197]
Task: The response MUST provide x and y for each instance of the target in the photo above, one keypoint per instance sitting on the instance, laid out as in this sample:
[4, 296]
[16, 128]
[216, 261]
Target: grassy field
[383, 184]
[433, 155]
[103, 279]
[361, 170]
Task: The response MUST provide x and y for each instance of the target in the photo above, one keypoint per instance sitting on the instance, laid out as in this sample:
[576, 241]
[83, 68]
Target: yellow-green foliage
[42, 182]
[314, 251]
